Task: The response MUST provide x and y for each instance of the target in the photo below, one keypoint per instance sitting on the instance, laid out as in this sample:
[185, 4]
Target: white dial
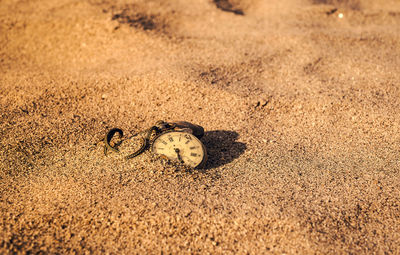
[181, 146]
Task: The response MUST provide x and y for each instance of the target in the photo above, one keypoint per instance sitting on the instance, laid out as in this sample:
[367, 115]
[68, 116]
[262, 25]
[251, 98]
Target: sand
[300, 101]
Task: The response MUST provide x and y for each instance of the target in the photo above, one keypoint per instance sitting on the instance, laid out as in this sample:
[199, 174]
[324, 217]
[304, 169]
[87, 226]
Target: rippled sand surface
[300, 101]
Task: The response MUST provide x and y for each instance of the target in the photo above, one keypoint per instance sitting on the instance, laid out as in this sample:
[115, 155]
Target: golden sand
[300, 101]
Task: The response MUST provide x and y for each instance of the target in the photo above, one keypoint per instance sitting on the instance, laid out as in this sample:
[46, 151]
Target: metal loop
[108, 138]
[159, 127]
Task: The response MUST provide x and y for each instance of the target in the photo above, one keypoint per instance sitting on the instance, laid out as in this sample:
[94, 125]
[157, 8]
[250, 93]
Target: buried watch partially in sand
[177, 141]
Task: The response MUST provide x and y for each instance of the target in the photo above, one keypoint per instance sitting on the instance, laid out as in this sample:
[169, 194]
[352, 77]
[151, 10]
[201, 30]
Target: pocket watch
[181, 146]
[174, 140]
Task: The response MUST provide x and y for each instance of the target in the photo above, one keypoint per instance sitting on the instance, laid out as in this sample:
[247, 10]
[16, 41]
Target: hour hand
[179, 155]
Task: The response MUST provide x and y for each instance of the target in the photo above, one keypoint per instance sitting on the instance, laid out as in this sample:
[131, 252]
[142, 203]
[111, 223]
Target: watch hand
[179, 156]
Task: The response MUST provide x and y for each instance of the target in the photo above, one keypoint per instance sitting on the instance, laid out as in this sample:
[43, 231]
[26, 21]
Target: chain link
[151, 133]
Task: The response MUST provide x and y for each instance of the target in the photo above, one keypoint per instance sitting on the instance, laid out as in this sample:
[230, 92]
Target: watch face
[180, 146]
